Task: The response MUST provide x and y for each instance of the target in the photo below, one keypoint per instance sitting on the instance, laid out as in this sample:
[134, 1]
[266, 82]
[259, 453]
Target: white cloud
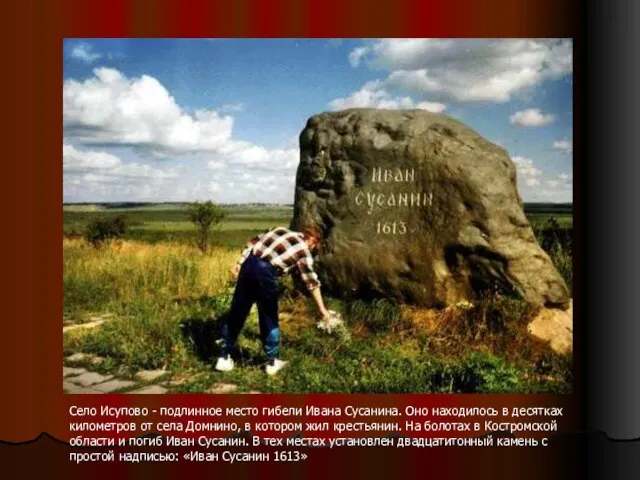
[254, 175]
[550, 195]
[532, 117]
[373, 95]
[216, 165]
[562, 181]
[110, 108]
[101, 176]
[467, 70]
[118, 180]
[563, 145]
[84, 52]
[355, 55]
[233, 107]
[538, 186]
[247, 155]
[104, 167]
[260, 187]
[527, 171]
[556, 189]
[76, 161]
[434, 107]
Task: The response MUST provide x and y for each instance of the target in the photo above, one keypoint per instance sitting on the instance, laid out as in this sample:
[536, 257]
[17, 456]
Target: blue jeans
[257, 283]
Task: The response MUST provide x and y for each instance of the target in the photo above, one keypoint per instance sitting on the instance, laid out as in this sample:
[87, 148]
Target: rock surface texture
[418, 207]
[556, 327]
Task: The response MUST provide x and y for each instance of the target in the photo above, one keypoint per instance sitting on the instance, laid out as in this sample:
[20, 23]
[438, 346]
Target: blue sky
[187, 119]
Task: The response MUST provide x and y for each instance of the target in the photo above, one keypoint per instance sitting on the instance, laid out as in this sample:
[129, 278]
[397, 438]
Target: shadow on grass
[201, 334]
[246, 358]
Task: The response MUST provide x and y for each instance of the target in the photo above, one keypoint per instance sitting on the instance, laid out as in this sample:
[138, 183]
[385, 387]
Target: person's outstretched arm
[317, 297]
[311, 280]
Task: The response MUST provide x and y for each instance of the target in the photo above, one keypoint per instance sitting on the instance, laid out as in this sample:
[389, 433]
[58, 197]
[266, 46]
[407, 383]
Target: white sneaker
[275, 366]
[224, 364]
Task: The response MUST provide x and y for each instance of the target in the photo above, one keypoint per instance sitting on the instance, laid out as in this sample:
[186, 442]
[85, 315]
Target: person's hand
[324, 316]
[235, 271]
[327, 322]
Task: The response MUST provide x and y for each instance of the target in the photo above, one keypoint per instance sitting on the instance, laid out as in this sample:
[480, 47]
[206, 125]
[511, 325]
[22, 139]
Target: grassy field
[169, 222]
[167, 298]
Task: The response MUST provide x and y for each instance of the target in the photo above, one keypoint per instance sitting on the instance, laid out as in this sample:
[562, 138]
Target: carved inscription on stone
[392, 189]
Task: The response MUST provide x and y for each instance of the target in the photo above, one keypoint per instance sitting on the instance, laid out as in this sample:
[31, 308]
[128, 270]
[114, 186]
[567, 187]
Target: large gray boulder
[418, 207]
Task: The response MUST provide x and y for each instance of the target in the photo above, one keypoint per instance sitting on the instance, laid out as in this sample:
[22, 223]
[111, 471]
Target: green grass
[181, 337]
[564, 220]
[167, 300]
[379, 315]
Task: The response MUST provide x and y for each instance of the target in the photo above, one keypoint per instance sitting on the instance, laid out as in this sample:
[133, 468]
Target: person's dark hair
[313, 232]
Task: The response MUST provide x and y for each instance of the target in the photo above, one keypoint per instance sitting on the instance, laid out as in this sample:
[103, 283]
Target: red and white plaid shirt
[284, 249]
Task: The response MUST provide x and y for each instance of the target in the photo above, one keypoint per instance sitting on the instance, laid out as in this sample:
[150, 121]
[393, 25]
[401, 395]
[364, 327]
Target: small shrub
[558, 244]
[563, 261]
[204, 216]
[100, 230]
